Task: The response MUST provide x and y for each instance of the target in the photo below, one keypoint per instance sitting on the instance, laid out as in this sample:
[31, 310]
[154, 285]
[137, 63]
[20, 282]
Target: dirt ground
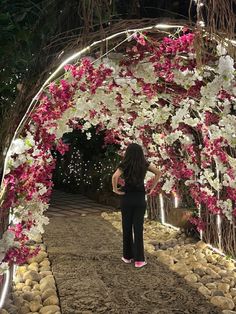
[85, 255]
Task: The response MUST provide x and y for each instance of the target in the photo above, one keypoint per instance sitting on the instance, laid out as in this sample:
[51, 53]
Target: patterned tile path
[66, 204]
[85, 255]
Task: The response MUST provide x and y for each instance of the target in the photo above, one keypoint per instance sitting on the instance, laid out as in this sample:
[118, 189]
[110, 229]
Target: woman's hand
[119, 192]
[151, 192]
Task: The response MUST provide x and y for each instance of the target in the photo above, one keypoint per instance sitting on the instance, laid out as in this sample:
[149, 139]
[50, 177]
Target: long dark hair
[134, 165]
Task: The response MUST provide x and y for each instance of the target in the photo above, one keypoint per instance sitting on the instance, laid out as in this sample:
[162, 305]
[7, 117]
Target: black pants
[133, 206]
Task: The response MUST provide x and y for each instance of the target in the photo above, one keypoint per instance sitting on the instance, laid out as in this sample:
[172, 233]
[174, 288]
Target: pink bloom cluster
[198, 222]
[20, 255]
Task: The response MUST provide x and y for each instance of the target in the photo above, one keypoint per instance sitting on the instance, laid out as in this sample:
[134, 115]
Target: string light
[5, 288]
[162, 212]
[176, 200]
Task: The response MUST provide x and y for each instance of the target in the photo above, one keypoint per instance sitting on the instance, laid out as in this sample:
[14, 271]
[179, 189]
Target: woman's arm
[157, 173]
[115, 178]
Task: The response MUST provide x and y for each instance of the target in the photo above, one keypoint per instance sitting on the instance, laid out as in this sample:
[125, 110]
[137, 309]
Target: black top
[129, 187]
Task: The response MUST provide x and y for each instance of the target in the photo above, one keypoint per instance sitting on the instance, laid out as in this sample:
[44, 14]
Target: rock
[200, 255]
[223, 273]
[29, 282]
[44, 268]
[36, 287]
[228, 312]
[233, 292]
[49, 309]
[2, 311]
[36, 293]
[48, 279]
[32, 275]
[35, 306]
[47, 285]
[222, 302]
[26, 288]
[206, 279]
[205, 291]
[24, 309]
[211, 285]
[48, 293]
[191, 278]
[47, 282]
[217, 293]
[52, 300]
[211, 259]
[200, 271]
[45, 262]
[223, 287]
[196, 285]
[32, 267]
[201, 245]
[38, 258]
[45, 273]
[195, 265]
[19, 286]
[212, 273]
[230, 265]
[167, 260]
[28, 296]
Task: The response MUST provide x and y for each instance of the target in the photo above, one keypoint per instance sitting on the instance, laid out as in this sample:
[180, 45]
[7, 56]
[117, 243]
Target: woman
[133, 205]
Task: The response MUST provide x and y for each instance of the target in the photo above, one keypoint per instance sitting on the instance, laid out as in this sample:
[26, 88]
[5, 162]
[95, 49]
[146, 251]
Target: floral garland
[154, 93]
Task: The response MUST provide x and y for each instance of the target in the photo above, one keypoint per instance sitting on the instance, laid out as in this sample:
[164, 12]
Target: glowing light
[216, 250]
[176, 200]
[14, 271]
[5, 288]
[218, 220]
[164, 26]
[162, 212]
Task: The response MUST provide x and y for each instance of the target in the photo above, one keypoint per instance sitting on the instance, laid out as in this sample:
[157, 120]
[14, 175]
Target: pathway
[85, 255]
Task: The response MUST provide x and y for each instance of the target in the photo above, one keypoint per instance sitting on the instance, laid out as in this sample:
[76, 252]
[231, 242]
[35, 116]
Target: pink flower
[62, 148]
[198, 222]
[211, 118]
[140, 39]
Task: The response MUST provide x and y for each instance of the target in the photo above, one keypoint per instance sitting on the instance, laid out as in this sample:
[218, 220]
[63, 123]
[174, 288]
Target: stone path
[85, 255]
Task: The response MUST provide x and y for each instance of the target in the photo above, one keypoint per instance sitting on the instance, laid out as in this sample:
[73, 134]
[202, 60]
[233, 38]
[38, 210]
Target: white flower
[172, 137]
[17, 147]
[158, 138]
[7, 241]
[226, 66]
[214, 182]
[221, 50]
[168, 185]
[86, 126]
[227, 208]
[88, 135]
[3, 267]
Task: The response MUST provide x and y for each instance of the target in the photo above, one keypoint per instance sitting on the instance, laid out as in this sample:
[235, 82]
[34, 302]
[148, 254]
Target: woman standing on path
[133, 205]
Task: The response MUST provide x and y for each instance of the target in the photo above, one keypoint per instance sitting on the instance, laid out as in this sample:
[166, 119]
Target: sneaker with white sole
[127, 261]
[140, 264]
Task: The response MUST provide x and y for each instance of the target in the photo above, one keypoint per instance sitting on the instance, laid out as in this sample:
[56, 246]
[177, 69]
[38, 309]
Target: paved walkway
[66, 205]
[85, 254]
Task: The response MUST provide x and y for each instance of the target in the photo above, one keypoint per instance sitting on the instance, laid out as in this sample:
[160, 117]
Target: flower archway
[149, 89]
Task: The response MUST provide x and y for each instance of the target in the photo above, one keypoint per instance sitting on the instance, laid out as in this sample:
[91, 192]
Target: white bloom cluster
[214, 182]
[227, 208]
[169, 184]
